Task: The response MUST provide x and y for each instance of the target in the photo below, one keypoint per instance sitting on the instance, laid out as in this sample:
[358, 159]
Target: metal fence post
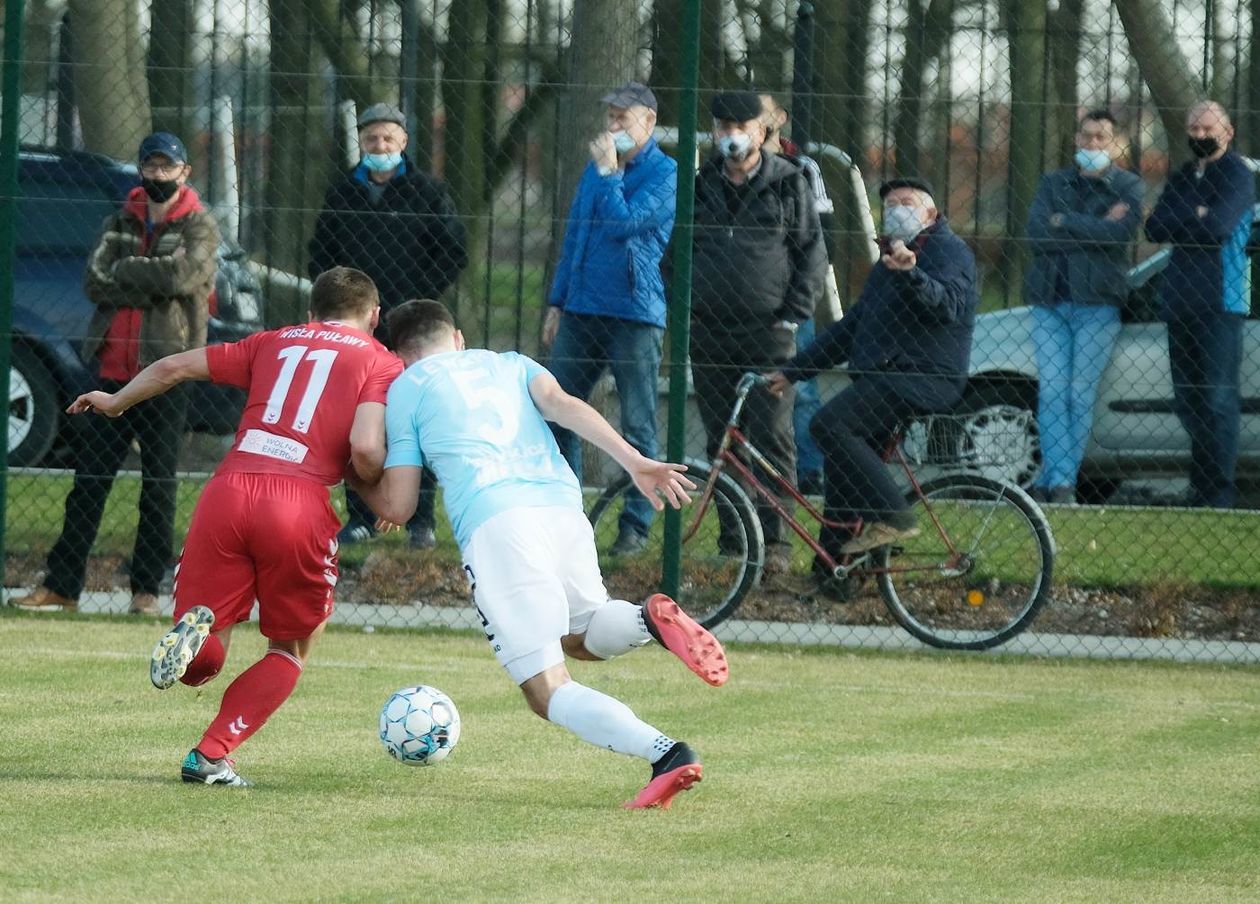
[10, 103]
[680, 303]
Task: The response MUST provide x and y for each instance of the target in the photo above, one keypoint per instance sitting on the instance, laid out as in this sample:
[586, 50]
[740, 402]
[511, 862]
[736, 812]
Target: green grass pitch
[829, 776]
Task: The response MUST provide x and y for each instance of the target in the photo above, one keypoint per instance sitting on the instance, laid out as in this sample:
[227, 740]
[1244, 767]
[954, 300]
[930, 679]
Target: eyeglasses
[161, 169]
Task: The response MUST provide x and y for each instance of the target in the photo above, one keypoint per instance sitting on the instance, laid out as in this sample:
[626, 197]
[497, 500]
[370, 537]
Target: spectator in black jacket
[398, 225]
[758, 268]
[907, 342]
[1205, 213]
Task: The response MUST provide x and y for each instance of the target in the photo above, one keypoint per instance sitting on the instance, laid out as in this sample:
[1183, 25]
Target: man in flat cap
[399, 226]
[758, 267]
[906, 342]
[608, 297]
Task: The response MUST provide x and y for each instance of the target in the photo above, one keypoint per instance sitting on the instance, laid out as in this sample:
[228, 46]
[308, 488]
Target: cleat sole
[177, 648]
[683, 636]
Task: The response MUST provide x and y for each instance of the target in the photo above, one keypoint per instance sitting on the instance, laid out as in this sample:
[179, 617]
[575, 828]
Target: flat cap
[631, 94]
[382, 113]
[914, 182]
[736, 106]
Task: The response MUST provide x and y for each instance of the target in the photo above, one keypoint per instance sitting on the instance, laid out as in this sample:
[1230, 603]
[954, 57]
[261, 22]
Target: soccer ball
[419, 725]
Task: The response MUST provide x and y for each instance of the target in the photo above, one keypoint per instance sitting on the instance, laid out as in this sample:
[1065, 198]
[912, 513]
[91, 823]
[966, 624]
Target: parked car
[1136, 432]
[65, 196]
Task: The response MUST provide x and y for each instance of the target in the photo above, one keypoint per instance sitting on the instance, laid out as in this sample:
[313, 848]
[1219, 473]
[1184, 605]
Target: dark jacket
[1082, 260]
[913, 326]
[1208, 268]
[758, 249]
[618, 227]
[411, 242]
[128, 273]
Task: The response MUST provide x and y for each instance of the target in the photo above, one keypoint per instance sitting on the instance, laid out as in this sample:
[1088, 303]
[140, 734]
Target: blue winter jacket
[1209, 271]
[610, 265]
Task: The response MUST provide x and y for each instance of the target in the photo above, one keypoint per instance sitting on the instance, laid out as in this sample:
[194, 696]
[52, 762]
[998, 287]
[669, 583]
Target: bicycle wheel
[717, 570]
[979, 570]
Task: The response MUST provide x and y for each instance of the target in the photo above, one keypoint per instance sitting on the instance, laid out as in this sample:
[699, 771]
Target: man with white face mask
[399, 226]
[1080, 228]
[758, 267]
[607, 304]
[906, 343]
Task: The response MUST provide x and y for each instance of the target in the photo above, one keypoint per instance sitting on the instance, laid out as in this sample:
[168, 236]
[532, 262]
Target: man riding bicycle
[906, 341]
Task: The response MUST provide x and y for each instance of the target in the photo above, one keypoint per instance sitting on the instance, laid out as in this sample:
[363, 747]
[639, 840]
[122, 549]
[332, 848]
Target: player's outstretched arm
[657, 480]
[154, 380]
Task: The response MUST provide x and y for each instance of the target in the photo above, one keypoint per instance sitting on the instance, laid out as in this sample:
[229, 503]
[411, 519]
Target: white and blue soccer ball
[419, 725]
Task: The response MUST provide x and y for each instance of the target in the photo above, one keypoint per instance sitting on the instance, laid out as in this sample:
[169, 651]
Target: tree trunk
[1163, 66]
[1249, 129]
[843, 38]
[292, 190]
[926, 32]
[168, 66]
[343, 46]
[110, 87]
[1065, 50]
[1026, 27]
[666, 77]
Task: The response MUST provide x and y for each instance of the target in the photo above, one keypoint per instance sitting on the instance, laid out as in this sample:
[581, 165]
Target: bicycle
[975, 576]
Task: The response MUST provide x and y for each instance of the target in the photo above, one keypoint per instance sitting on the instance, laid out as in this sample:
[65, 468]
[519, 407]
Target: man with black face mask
[150, 275]
[758, 267]
[1205, 213]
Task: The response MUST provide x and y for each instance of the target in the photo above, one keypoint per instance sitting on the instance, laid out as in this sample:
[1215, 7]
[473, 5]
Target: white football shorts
[535, 577]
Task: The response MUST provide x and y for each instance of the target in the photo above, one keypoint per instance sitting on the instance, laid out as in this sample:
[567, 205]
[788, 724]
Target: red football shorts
[264, 537]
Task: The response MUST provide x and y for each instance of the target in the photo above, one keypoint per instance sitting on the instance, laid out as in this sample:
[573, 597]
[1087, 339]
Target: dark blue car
[65, 196]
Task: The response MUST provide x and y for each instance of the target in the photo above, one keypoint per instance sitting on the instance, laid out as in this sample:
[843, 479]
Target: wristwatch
[787, 325]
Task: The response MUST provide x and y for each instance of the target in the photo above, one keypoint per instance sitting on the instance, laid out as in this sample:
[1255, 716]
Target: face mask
[623, 142]
[1092, 161]
[901, 222]
[159, 190]
[1203, 147]
[382, 163]
[736, 146]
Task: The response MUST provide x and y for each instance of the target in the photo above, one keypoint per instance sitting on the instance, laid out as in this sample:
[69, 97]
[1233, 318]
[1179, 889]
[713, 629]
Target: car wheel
[997, 432]
[33, 412]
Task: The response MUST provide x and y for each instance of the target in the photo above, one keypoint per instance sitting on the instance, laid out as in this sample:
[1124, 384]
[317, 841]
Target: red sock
[207, 663]
[249, 701]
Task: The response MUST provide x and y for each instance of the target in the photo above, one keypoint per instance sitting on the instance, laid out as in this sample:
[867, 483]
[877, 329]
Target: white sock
[616, 627]
[605, 722]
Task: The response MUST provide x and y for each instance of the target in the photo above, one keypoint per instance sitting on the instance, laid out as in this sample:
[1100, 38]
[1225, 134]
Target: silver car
[1135, 433]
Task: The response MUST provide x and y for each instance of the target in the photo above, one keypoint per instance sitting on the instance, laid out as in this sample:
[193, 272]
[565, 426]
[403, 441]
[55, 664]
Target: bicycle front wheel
[978, 571]
[722, 553]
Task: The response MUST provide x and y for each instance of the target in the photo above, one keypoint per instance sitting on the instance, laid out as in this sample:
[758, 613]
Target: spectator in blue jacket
[608, 297]
[907, 342]
[1205, 213]
[1080, 227]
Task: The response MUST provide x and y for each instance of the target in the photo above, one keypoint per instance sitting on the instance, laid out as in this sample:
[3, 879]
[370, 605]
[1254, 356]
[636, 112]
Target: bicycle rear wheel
[718, 569]
[979, 570]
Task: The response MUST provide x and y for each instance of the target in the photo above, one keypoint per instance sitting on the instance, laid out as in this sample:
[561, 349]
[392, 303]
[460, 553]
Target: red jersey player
[263, 528]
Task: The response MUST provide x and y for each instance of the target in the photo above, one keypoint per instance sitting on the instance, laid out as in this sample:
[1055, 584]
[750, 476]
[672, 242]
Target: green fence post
[10, 102]
[680, 306]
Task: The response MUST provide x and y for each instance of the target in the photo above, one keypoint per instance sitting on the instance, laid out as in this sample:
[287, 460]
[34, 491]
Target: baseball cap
[736, 106]
[382, 113]
[162, 143]
[631, 94]
[906, 182]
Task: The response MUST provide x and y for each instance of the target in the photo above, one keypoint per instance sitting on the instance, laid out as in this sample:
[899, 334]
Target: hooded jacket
[152, 287]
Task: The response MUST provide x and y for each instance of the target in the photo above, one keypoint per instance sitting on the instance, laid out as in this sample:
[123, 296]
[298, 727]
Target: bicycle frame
[733, 440]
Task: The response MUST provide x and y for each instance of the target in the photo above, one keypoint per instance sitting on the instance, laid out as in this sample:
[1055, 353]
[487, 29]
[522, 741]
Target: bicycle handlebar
[747, 382]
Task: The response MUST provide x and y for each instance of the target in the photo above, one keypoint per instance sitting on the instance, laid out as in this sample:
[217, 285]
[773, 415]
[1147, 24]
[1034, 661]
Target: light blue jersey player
[478, 420]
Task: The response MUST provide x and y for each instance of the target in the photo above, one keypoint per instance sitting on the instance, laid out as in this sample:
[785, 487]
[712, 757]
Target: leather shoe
[628, 543]
[422, 537]
[43, 599]
[143, 604]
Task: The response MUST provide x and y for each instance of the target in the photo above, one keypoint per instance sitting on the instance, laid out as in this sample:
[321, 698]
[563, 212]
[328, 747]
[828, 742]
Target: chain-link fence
[1052, 293]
